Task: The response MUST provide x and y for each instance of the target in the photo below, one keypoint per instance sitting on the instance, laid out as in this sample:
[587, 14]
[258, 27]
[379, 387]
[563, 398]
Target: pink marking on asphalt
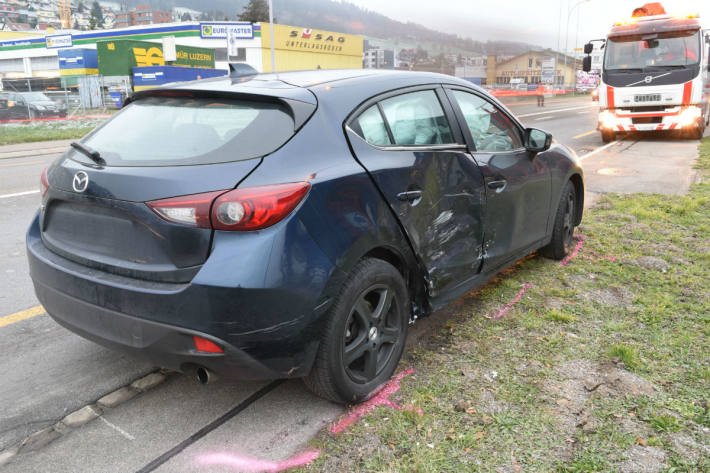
[250, 464]
[580, 242]
[510, 304]
[380, 399]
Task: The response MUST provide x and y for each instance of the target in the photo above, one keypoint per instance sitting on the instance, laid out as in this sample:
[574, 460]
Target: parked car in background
[30, 105]
[293, 225]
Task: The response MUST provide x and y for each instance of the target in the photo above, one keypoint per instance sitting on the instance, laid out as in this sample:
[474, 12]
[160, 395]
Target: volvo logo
[80, 181]
[648, 79]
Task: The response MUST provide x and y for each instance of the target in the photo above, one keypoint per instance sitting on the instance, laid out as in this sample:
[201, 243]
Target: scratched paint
[251, 464]
[380, 399]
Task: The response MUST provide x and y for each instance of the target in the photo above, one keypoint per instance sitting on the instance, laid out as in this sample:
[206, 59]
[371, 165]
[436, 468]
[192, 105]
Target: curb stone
[84, 415]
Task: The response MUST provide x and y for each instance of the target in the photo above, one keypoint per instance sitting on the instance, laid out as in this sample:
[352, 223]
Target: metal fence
[30, 99]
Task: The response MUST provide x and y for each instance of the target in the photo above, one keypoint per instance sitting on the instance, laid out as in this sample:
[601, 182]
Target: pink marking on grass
[510, 304]
[593, 255]
[580, 242]
[251, 464]
[379, 399]
[46, 119]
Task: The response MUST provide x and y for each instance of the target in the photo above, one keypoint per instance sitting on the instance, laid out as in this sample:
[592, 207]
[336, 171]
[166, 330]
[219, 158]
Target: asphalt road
[48, 372]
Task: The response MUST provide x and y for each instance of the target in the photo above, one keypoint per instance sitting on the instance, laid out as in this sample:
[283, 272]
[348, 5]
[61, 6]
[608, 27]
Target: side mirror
[537, 141]
[588, 48]
[587, 63]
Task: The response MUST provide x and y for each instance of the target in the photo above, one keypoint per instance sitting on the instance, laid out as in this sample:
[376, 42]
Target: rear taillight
[250, 208]
[207, 346]
[254, 208]
[44, 182]
[193, 209]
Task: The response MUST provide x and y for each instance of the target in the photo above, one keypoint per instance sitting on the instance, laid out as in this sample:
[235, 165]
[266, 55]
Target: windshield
[36, 97]
[161, 131]
[642, 52]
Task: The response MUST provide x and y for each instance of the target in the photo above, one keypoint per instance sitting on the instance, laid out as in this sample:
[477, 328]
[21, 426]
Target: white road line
[584, 112]
[601, 148]
[18, 194]
[118, 429]
[555, 111]
[543, 118]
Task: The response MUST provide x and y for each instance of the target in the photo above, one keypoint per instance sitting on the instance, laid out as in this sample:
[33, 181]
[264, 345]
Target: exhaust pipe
[205, 376]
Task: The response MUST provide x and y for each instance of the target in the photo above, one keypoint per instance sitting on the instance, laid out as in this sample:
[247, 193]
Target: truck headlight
[607, 119]
[689, 116]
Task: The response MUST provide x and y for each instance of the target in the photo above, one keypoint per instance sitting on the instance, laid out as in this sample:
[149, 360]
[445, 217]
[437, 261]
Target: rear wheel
[364, 336]
[563, 229]
[608, 136]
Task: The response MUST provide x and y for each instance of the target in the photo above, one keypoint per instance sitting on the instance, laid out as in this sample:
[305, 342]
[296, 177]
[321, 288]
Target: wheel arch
[578, 182]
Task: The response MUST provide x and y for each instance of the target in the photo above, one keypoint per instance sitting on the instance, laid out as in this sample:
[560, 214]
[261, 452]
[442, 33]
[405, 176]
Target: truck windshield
[656, 51]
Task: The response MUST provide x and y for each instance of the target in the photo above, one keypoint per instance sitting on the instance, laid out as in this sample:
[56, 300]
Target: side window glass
[490, 128]
[372, 127]
[417, 118]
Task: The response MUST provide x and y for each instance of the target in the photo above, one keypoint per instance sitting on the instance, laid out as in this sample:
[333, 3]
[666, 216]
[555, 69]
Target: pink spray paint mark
[380, 399]
[250, 464]
[580, 242]
[510, 304]
[594, 256]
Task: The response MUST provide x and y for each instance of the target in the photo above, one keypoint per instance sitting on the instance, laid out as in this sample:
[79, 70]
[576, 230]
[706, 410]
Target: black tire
[563, 229]
[698, 132]
[608, 136]
[362, 323]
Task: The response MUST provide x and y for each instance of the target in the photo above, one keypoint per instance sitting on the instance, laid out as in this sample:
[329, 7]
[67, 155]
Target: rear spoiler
[299, 110]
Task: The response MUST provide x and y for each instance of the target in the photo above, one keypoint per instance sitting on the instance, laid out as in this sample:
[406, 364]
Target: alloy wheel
[371, 333]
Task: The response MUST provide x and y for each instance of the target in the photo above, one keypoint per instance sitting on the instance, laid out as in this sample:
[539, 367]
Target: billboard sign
[217, 30]
[59, 41]
[549, 69]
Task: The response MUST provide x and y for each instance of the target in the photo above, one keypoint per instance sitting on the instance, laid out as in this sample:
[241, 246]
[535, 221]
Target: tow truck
[654, 75]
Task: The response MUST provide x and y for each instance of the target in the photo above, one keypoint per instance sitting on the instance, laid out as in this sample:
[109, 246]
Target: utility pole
[271, 32]
[569, 15]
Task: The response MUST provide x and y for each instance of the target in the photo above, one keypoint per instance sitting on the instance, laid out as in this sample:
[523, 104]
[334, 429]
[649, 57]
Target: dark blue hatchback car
[293, 225]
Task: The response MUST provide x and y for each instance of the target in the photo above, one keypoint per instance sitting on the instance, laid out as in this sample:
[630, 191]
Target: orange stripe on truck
[609, 97]
[687, 92]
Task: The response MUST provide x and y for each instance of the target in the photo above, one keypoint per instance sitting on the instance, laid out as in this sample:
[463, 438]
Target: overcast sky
[533, 21]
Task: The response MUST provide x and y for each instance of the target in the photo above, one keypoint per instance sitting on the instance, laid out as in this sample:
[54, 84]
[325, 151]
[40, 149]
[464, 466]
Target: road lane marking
[544, 118]
[21, 164]
[584, 112]
[18, 194]
[555, 111]
[118, 429]
[584, 134]
[601, 148]
[21, 315]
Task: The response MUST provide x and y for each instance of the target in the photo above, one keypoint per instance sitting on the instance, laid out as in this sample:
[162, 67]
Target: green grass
[12, 133]
[625, 354]
[579, 319]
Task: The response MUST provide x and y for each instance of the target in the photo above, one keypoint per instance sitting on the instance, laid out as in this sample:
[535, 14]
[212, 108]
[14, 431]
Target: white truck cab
[654, 75]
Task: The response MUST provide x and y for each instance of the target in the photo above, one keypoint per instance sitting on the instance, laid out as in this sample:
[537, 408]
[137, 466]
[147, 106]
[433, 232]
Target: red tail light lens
[44, 182]
[250, 208]
[202, 344]
[254, 208]
[193, 209]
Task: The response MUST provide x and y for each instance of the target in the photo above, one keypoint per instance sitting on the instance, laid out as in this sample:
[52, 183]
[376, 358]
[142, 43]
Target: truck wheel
[563, 228]
[698, 132]
[608, 136]
[364, 334]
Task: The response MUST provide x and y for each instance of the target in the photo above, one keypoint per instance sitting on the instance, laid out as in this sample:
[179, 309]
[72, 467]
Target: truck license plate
[647, 98]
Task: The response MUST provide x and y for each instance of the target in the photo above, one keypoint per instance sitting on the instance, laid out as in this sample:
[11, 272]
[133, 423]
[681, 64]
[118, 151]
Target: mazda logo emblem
[648, 79]
[80, 181]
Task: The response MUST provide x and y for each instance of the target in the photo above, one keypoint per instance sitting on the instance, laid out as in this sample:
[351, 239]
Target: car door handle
[497, 185]
[409, 195]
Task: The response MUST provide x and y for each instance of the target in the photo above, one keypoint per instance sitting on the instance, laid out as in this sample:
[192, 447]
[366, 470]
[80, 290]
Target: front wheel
[608, 136]
[563, 229]
[364, 335]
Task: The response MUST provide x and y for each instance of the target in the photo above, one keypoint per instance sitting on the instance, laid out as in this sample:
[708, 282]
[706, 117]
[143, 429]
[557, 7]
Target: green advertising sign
[118, 57]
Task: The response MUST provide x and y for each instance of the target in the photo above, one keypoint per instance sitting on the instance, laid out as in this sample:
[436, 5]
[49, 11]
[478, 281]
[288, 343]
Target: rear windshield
[166, 131]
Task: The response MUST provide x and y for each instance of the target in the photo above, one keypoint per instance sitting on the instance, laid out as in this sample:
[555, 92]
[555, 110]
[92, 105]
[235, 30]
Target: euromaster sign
[216, 30]
[59, 41]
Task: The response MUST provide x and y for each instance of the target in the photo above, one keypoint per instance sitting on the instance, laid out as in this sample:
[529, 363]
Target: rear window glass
[373, 127]
[161, 131]
[417, 119]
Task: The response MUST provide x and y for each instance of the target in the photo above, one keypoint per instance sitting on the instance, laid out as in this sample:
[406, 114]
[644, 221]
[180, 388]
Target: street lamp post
[569, 15]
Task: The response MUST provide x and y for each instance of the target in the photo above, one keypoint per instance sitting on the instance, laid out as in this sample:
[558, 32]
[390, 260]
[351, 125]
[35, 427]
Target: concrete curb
[84, 415]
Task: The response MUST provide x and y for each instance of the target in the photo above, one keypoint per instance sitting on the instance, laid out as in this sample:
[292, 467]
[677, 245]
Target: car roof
[349, 85]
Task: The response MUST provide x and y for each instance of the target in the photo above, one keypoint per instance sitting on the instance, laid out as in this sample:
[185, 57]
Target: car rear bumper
[267, 330]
